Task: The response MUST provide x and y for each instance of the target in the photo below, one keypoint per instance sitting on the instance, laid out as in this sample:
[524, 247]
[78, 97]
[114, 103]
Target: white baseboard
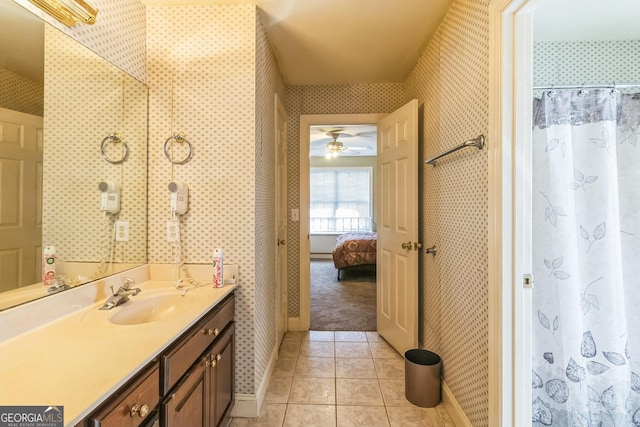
[454, 410]
[245, 406]
[249, 405]
[295, 324]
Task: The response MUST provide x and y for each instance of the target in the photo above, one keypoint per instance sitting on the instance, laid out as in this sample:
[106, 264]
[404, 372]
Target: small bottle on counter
[218, 280]
[48, 265]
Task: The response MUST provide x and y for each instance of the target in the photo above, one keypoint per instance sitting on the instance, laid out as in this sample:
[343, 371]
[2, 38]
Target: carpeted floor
[345, 305]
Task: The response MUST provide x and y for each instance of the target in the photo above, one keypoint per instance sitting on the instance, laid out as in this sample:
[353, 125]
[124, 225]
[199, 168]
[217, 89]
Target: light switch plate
[295, 214]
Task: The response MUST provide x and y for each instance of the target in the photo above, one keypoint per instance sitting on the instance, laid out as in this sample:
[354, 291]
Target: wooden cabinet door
[188, 404]
[221, 377]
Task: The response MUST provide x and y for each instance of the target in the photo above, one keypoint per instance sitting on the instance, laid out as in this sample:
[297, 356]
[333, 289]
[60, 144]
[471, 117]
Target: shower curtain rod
[590, 86]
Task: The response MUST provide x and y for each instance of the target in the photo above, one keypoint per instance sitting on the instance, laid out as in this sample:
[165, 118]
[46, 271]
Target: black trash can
[422, 377]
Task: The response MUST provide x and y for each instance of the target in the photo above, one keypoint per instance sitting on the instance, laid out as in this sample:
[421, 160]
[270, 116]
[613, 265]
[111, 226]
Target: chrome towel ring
[177, 137]
[115, 138]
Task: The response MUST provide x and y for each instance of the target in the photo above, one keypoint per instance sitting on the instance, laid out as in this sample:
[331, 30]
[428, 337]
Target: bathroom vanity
[162, 358]
[189, 384]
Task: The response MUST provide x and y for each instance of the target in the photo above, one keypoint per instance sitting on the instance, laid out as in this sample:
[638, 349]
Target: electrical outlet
[122, 231]
[173, 231]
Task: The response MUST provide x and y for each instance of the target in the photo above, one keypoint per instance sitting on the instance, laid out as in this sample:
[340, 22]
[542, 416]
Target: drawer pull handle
[213, 360]
[139, 410]
[213, 332]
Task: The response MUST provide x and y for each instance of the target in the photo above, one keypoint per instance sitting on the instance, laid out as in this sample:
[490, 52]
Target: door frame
[510, 85]
[281, 285]
[303, 322]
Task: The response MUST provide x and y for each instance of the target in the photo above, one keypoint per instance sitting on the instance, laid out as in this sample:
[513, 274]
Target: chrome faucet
[122, 295]
[58, 284]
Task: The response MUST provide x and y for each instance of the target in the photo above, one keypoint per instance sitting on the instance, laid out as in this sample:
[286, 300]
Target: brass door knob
[213, 332]
[407, 245]
[280, 242]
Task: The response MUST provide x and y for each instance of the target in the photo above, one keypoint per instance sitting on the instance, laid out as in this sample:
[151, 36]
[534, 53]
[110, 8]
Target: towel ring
[115, 138]
[177, 137]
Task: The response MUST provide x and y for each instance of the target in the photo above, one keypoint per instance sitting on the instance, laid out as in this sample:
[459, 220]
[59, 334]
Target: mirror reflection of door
[20, 198]
[342, 227]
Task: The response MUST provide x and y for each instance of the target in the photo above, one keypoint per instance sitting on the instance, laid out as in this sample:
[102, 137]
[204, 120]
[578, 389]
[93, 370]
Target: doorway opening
[314, 150]
[342, 236]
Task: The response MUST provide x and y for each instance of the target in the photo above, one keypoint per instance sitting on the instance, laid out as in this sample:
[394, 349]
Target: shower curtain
[586, 259]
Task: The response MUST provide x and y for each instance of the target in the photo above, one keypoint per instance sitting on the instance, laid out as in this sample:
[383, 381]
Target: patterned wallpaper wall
[118, 35]
[451, 81]
[203, 83]
[19, 93]
[589, 62]
[83, 104]
[324, 99]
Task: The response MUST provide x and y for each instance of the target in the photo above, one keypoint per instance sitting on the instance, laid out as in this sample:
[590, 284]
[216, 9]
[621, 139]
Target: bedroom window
[341, 199]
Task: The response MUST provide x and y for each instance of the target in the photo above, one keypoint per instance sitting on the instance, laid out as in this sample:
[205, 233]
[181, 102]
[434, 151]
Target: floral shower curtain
[586, 259]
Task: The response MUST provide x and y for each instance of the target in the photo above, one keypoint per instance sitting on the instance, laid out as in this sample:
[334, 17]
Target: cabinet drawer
[177, 361]
[130, 406]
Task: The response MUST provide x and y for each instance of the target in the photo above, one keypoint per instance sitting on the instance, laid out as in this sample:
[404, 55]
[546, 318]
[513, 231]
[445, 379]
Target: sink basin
[139, 309]
[145, 310]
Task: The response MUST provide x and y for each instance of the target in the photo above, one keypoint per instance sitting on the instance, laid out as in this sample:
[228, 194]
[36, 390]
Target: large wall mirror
[73, 131]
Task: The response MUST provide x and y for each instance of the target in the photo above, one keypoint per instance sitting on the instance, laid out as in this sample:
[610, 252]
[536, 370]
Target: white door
[281, 220]
[20, 199]
[397, 253]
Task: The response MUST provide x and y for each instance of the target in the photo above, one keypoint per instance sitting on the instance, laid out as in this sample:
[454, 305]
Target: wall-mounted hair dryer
[179, 197]
[109, 196]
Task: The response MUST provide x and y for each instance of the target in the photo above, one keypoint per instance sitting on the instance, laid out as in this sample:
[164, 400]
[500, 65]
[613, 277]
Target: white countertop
[79, 359]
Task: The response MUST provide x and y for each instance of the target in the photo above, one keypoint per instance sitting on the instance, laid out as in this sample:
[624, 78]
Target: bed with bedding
[353, 249]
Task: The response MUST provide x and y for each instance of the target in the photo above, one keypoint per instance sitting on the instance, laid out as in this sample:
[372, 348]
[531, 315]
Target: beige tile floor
[340, 379]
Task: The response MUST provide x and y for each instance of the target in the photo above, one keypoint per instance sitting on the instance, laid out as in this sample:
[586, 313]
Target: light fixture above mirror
[69, 12]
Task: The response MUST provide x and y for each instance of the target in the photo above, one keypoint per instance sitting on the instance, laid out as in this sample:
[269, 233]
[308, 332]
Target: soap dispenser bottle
[218, 280]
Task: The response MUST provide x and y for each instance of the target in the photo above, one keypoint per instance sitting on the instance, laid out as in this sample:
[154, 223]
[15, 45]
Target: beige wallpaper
[451, 82]
[19, 93]
[84, 97]
[203, 82]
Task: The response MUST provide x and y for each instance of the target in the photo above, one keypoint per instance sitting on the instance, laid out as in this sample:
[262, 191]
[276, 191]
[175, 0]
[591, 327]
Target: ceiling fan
[333, 147]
